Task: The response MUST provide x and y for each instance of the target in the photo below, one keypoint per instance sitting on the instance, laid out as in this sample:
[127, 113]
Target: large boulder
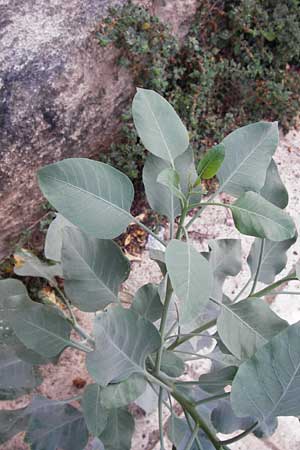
[61, 95]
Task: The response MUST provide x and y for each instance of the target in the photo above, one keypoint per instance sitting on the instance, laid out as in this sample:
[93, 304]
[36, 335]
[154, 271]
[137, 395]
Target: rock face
[61, 95]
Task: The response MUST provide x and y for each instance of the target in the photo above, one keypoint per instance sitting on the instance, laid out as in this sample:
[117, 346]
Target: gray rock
[61, 95]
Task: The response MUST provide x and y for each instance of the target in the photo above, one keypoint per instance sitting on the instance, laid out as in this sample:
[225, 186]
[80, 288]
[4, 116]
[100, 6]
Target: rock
[61, 94]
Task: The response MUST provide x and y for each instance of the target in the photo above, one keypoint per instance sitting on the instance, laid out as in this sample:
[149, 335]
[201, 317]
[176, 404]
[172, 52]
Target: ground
[67, 378]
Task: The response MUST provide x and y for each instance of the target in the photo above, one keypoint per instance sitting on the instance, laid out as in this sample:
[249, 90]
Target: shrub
[239, 63]
[255, 355]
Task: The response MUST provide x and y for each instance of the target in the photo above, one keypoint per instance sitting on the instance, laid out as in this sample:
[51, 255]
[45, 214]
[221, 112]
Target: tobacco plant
[138, 352]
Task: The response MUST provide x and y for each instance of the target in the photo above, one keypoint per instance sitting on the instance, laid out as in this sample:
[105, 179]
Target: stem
[202, 208]
[192, 438]
[261, 252]
[198, 330]
[181, 221]
[212, 398]
[287, 292]
[189, 422]
[162, 328]
[239, 436]
[273, 286]
[80, 346]
[162, 383]
[160, 418]
[242, 290]
[140, 224]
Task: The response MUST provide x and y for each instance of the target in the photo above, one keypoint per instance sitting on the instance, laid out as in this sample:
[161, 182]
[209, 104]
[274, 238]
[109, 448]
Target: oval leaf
[158, 125]
[191, 278]
[147, 302]
[123, 341]
[119, 430]
[54, 237]
[255, 216]
[248, 153]
[94, 413]
[247, 325]
[92, 195]
[211, 163]
[274, 190]
[268, 384]
[93, 270]
[121, 394]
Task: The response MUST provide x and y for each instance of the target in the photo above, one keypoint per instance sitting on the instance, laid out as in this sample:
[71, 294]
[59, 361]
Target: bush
[141, 349]
[239, 63]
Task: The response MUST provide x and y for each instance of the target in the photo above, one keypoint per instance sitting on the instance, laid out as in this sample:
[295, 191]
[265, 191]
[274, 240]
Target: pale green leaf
[210, 164]
[247, 325]
[147, 302]
[123, 341]
[274, 190]
[170, 178]
[171, 364]
[215, 382]
[158, 125]
[119, 430]
[93, 269]
[29, 265]
[248, 153]
[54, 237]
[179, 434]
[95, 413]
[255, 216]
[121, 394]
[92, 195]
[268, 384]
[191, 279]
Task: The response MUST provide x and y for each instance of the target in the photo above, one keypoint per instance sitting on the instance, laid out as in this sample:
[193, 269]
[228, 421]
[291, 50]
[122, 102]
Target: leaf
[94, 413]
[158, 125]
[9, 290]
[274, 258]
[255, 216]
[54, 424]
[247, 325]
[121, 394]
[123, 341]
[274, 190]
[54, 237]
[191, 278]
[40, 328]
[29, 265]
[170, 178]
[119, 430]
[210, 164]
[225, 259]
[17, 377]
[92, 195]
[159, 196]
[93, 269]
[248, 153]
[147, 302]
[148, 400]
[179, 434]
[225, 421]
[171, 364]
[268, 384]
[12, 422]
[215, 382]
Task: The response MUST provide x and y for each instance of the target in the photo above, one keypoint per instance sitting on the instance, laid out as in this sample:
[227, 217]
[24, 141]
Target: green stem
[80, 346]
[189, 422]
[261, 252]
[162, 383]
[200, 211]
[160, 418]
[198, 330]
[273, 286]
[162, 328]
[140, 224]
[212, 398]
[181, 221]
[287, 292]
[239, 436]
[192, 438]
[242, 290]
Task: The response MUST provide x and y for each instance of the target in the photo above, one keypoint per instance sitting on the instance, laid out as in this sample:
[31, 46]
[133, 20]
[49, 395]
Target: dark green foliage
[239, 63]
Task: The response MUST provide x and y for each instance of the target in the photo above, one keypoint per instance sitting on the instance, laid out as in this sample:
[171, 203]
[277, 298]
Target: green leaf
[54, 424]
[40, 328]
[274, 258]
[215, 382]
[211, 163]
[255, 216]
[179, 434]
[12, 422]
[10, 290]
[225, 421]
[171, 364]
[147, 302]
[247, 325]
[225, 259]
[94, 413]
[191, 278]
[274, 190]
[29, 265]
[158, 125]
[159, 196]
[119, 430]
[17, 377]
[123, 341]
[93, 269]
[121, 394]
[92, 195]
[268, 384]
[170, 178]
[248, 153]
[54, 237]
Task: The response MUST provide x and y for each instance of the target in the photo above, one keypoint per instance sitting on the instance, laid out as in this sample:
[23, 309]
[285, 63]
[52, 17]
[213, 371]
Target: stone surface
[61, 95]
